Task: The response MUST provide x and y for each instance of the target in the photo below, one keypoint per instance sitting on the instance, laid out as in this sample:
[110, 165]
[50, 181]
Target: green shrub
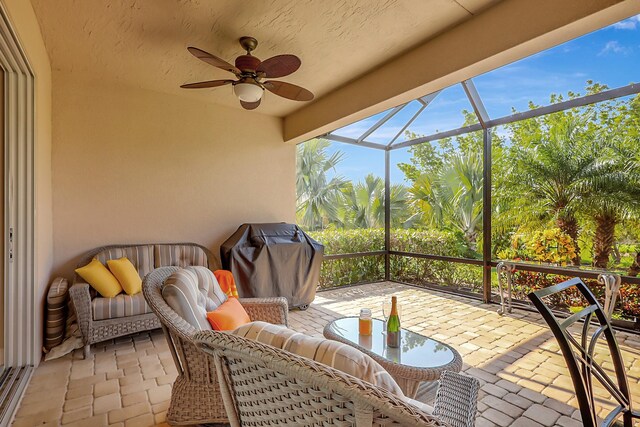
[350, 241]
[550, 245]
[422, 271]
[347, 271]
[339, 272]
[432, 242]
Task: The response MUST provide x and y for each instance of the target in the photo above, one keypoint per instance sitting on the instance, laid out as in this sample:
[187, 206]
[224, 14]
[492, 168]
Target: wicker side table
[418, 358]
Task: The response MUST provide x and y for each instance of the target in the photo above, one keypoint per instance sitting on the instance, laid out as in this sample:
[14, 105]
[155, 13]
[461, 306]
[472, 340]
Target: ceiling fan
[251, 74]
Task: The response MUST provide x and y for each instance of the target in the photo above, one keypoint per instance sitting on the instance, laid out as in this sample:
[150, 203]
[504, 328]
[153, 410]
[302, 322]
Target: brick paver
[523, 376]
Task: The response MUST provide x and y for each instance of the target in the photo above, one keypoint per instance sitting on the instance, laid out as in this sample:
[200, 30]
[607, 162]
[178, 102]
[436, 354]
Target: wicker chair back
[263, 385]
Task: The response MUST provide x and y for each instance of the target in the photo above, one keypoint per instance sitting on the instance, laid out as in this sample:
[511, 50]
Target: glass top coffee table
[418, 358]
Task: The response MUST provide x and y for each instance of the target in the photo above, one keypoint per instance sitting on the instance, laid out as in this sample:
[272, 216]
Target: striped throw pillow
[56, 312]
[340, 356]
[192, 292]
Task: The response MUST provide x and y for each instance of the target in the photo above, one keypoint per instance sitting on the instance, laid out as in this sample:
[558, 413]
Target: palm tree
[451, 197]
[317, 196]
[364, 204]
[610, 189]
[551, 155]
[580, 163]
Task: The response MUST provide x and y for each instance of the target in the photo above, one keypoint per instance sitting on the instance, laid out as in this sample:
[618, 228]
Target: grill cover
[273, 260]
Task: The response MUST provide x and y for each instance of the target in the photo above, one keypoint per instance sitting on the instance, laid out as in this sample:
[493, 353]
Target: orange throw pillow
[227, 282]
[229, 316]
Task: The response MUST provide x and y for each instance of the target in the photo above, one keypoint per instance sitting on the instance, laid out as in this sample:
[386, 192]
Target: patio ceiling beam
[476, 102]
[382, 121]
[606, 95]
[347, 140]
[471, 48]
[425, 101]
[436, 136]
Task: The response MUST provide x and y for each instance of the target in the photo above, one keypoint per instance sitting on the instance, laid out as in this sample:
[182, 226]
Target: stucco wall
[26, 26]
[132, 165]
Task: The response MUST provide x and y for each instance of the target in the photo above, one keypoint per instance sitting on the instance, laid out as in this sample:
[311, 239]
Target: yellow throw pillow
[100, 279]
[126, 274]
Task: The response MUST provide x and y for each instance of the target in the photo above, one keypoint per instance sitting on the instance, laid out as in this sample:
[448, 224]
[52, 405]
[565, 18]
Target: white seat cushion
[192, 292]
[331, 353]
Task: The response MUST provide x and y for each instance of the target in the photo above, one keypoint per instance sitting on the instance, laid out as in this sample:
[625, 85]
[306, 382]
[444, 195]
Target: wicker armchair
[195, 397]
[145, 258]
[263, 385]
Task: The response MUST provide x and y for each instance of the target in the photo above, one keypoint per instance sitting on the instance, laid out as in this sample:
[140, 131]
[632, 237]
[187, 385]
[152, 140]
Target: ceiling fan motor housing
[247, 63]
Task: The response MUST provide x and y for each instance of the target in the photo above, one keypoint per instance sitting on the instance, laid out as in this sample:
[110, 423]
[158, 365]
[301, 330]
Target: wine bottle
[393, 325]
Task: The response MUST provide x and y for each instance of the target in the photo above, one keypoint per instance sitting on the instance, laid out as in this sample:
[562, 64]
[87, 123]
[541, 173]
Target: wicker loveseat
[264, 385]
[195, 396]
[101, 319]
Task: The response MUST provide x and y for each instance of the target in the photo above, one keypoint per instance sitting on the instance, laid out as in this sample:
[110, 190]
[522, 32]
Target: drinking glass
[386, 311]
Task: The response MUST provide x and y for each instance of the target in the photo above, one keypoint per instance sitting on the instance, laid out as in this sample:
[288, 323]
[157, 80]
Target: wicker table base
[418, 359]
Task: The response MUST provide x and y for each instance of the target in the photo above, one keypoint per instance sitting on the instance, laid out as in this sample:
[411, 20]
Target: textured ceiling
[143, 43]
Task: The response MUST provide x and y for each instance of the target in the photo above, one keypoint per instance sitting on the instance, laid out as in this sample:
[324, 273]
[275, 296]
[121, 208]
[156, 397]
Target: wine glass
[386, 310]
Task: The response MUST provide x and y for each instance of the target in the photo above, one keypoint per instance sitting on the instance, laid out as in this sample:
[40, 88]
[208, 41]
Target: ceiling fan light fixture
[251, 72]
[248, 92]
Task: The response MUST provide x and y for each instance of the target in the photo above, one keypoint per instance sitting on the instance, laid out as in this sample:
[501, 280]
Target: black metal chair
[579, 354]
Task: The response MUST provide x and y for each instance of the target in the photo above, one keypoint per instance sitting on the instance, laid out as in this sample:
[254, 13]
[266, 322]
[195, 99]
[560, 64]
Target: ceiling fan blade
[279, 66]
[288, 90]
[212, 60]
[210, 83]
[250, 105]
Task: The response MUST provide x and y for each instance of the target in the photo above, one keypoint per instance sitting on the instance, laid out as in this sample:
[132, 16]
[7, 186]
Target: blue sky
[609, 56]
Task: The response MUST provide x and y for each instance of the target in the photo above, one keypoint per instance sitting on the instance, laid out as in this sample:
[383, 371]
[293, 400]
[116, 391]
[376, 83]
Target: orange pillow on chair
[227, 283]
[229, 316]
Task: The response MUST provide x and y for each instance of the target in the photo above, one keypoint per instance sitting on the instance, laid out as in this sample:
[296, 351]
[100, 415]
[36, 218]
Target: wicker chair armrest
[457, 399]
[272, 310]
[81, 297]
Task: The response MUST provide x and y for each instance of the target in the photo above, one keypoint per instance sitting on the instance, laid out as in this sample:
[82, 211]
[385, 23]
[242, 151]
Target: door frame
[21, 348]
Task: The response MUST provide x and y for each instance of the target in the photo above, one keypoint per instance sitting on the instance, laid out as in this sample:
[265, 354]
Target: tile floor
[524, 378]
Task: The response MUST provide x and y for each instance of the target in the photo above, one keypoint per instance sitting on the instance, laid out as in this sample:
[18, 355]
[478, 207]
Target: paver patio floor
[524, 378]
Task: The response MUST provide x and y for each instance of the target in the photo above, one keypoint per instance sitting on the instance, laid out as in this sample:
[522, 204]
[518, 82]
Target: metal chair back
[579, 354]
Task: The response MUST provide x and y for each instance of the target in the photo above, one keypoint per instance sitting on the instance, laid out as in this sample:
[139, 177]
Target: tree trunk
[569, 225]
[603, 239]
[471, 238]
[617, 256]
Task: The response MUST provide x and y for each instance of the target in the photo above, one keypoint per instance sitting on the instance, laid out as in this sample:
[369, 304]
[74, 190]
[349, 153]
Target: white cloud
[628, 24]
[615, 47]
